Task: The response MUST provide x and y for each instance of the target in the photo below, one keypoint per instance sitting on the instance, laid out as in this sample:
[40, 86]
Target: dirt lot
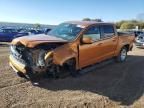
[106, 85]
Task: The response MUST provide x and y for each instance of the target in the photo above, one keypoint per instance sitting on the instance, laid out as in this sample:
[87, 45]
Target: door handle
[114, 40]
[100, 43]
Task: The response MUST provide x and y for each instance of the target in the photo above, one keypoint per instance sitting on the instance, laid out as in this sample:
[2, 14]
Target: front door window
[93, 33]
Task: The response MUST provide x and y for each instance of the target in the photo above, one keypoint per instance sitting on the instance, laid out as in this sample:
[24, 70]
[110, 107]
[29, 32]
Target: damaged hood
[34, 40]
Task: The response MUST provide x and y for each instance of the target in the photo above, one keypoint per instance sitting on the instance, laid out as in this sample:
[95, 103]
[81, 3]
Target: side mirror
[86, 40]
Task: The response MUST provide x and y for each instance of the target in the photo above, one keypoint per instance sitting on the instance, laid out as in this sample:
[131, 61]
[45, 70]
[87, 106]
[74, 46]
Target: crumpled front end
[31, 60]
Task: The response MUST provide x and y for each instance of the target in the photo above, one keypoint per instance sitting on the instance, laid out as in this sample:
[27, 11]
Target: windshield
[66, 31]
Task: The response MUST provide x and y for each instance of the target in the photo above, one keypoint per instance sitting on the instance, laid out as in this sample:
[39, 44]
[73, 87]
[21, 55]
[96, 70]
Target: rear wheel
[122, 55]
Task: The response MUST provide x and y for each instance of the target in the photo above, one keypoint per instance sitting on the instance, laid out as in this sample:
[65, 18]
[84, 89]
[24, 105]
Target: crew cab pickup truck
[71, 45]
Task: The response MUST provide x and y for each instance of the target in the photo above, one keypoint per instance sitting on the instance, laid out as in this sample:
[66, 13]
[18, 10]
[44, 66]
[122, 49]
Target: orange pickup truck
[70, 46]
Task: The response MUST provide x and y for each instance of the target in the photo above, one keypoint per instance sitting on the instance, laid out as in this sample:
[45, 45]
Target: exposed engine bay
[34, 58]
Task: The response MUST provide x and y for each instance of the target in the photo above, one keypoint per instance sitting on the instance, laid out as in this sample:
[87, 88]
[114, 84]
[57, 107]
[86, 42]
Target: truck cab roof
[88, 23]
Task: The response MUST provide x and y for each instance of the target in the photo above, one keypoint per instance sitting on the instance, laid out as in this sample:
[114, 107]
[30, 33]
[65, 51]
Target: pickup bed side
[124, 40]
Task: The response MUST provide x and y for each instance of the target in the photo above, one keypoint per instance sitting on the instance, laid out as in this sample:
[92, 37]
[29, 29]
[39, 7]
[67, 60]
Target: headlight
[41, 60]
[14, 51]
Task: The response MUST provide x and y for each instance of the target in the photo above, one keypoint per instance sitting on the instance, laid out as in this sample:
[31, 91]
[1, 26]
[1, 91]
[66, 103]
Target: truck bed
[125, 34]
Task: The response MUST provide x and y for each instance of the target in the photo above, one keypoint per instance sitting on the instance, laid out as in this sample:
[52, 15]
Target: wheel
[72, 68]
[30, 75]
[122, 55]
[20, 74]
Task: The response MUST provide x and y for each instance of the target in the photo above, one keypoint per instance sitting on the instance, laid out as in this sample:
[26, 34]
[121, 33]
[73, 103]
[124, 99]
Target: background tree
[37, 26]
[127, 25]
[118, 24]
[96, 19]
[141, 25]
[86, 19]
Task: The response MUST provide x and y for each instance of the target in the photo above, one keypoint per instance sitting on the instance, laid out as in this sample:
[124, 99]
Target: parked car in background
[137, 33]
[139, 42]
[34, 32]
[8, 34]
[47, 30]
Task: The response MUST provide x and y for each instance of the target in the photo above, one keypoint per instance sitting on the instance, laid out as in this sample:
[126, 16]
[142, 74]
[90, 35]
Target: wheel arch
[69, 61]
[127, 46]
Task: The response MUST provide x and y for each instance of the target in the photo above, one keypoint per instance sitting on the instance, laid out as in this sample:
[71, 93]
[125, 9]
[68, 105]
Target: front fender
[64, 53]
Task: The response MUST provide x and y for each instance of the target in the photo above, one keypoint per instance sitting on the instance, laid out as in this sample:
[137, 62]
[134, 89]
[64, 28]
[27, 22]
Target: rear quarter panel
[124, 40]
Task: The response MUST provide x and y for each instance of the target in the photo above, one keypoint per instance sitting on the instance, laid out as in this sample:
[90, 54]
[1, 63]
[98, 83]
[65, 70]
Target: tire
[30, 75]
[25, 76]
[20, 74]
[122, 55]
[72, 68]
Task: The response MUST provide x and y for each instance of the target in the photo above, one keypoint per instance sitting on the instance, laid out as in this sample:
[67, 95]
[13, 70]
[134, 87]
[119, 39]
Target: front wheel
[71, 66]
[122, 55]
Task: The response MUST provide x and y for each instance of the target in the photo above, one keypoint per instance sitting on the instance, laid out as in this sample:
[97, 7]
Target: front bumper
[16, 65]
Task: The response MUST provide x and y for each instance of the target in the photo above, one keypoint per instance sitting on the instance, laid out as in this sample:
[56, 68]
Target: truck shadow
[121, 82]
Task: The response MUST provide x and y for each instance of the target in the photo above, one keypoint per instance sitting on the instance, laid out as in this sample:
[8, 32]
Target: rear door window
[107, 31]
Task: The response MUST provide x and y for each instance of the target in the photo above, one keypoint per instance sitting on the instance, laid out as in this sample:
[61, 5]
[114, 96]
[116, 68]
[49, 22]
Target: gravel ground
[105, 85]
